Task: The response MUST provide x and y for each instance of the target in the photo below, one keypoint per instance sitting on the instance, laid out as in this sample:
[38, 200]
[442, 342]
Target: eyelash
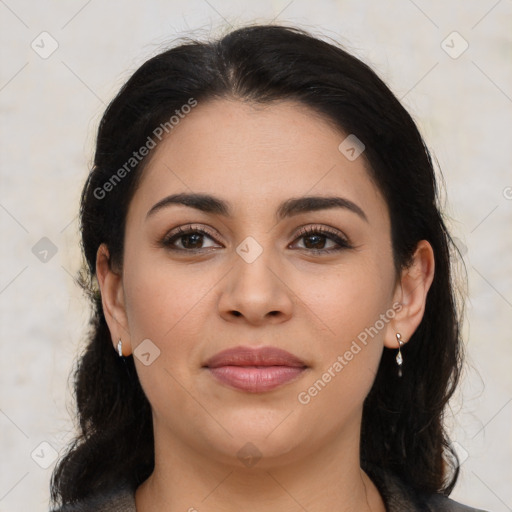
[181, 231]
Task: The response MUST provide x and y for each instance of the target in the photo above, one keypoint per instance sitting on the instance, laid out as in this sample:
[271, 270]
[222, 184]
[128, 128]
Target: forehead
[259, 154]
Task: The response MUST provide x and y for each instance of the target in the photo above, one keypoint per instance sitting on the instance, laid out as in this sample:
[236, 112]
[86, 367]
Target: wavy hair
[402, 425]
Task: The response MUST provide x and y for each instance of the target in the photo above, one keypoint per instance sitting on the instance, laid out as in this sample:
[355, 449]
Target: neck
[327, 478]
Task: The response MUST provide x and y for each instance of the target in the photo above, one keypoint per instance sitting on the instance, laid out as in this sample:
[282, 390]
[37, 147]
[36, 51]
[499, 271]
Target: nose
[256, 292]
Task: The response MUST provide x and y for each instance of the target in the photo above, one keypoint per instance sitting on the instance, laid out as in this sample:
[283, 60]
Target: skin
[192, 305]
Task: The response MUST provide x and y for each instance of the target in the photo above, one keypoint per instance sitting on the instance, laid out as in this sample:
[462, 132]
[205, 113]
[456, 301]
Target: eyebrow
[294, 206]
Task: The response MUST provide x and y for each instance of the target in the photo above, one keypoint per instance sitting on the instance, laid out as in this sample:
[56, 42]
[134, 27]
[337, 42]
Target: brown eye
[192, 241]
[188, 239]
[316, 239]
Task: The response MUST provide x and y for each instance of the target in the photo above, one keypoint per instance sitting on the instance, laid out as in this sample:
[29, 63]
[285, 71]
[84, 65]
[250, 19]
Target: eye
[316, 239]
[191, 239]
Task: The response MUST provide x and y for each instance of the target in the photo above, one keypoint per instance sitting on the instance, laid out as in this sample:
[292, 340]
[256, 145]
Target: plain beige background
[61, 62]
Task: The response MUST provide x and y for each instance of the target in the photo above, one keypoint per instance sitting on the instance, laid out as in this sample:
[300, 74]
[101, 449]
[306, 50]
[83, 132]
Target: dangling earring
[120, 348]
[399, 358]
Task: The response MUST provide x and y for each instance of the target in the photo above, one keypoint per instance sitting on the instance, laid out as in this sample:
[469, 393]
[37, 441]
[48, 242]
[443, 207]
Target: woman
[275, 325]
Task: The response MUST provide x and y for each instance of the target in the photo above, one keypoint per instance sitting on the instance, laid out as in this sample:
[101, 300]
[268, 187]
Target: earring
[399, 357]
[120, 348]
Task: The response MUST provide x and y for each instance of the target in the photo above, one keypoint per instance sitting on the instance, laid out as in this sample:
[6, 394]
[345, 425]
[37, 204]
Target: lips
[255, 370]
[246, 356]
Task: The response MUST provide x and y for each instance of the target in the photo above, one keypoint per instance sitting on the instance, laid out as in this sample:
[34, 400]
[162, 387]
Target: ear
[112, 298]
[411, 292]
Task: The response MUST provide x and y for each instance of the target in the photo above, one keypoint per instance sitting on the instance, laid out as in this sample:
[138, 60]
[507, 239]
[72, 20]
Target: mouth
[255, 370]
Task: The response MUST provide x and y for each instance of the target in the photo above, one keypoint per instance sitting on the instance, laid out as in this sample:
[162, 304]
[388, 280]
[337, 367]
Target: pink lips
[255, 369]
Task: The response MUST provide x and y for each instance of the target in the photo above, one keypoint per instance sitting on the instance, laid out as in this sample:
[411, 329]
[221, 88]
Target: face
[318, 283]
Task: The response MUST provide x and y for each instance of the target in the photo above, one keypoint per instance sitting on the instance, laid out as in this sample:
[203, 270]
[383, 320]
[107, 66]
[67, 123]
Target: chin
[261, 440]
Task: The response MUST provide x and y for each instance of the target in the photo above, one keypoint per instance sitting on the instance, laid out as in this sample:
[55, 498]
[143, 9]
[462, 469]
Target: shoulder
[440, 503]
[399, 497]
[120, 499]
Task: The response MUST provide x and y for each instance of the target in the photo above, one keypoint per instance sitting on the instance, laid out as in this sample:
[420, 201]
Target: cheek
[355, 310]
[171, 307]
[167, 307]
[350, 300]
[161, 300]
